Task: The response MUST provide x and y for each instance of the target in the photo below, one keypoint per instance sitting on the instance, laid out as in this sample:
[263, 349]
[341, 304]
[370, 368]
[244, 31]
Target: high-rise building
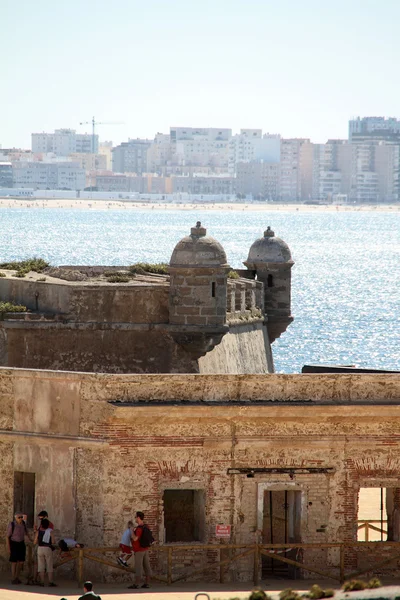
[159, 153]
[290, 169]
[64, 142]
[192, 146]
[251, 145]
[131, 157]
[259, 179]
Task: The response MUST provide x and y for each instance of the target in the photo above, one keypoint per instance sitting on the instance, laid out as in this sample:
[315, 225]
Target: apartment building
[159, 153]
[209, 185]
[331, 169]
[192, 146]
[113, 182]
[131, 157]
[89, 162]
[6, 175]
[290, 171]
[387, 167]
[52, 176]
[105, 149]
[368, 126]
[251, 145]
[63, 142]
[258, 179]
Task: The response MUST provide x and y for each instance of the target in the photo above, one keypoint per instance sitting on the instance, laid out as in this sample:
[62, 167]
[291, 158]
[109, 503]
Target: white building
[331, 169]
[159, 153]
[64, 142]
[53, 176]
[290, 173]
[259, 179]
[251, 145]
[192, 146]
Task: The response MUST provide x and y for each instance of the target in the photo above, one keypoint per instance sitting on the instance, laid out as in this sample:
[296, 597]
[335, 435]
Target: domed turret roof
[268, 249]
[198, 250]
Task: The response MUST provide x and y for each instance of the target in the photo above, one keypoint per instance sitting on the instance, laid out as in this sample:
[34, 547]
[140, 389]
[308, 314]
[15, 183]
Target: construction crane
[94, 124]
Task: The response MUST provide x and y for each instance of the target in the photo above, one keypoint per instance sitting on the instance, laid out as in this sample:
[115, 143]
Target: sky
[300, 68]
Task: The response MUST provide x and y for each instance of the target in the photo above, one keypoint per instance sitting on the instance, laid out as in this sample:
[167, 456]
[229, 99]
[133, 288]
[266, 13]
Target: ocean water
[345, 281]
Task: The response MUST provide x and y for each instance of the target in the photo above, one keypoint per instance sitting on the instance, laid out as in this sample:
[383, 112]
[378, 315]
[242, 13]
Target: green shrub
[233, 275]
[41, 279]
[21, 273]
[354, 585]
[316, 592]
[374, 583]
[30, 264]
[119, 279]
[142, 268]
[2, 274]
[289, 594]
[6, 307]
[116, 274]
[259, 594]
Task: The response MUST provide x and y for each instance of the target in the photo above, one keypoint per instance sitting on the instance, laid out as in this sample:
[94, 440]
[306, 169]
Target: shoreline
[87, 204]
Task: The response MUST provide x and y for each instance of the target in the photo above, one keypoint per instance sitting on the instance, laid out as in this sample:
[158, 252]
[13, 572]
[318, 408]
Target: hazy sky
[301, 68]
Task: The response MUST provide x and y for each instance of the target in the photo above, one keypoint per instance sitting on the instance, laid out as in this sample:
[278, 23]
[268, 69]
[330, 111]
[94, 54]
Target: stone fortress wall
[196, 320]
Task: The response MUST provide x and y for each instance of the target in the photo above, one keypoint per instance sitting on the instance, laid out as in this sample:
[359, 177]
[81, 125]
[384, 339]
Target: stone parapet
[245, 300]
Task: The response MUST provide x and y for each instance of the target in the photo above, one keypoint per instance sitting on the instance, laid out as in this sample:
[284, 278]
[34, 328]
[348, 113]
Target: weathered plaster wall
[244, 349]
[184, 432]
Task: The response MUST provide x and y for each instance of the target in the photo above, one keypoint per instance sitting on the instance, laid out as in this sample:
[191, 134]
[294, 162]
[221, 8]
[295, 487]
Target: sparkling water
[345, 281]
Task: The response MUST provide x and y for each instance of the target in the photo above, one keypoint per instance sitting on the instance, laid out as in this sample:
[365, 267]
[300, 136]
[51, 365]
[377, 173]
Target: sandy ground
[185, 591]
[113, 204]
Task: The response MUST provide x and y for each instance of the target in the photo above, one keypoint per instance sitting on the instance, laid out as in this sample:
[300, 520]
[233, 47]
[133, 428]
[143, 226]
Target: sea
[345, 280]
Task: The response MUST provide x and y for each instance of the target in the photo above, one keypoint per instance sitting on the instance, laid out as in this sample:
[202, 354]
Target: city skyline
[298, 69]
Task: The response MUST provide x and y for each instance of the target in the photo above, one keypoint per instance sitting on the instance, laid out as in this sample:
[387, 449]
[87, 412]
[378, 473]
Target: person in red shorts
[126, 545]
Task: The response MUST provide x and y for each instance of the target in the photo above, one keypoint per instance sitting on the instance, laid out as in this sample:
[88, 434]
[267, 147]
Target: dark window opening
[24, 495]
[184, 515]
[270, 281]
[213, 289]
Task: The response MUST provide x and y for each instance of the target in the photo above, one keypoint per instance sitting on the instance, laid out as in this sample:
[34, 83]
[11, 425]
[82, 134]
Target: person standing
[15, 544]
[42, 515]
[45, 539]
[142, 540]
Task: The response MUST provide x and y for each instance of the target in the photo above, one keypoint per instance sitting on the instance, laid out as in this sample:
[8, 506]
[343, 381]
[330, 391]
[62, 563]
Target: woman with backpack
[45, 539]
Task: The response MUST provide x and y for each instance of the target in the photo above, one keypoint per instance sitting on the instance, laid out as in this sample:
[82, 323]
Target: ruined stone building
[281, 457]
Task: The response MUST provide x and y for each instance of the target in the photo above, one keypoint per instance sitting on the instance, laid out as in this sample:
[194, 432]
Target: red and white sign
[223, 531]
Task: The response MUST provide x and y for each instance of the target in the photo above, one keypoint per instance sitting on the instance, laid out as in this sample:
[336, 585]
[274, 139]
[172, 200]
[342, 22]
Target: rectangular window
[184, 515]
[24, 495]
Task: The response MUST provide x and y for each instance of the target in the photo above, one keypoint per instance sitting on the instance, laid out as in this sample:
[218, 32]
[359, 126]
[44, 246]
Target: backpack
[146, 539]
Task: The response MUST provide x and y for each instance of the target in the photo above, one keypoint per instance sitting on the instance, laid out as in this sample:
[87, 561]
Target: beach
[87, 204]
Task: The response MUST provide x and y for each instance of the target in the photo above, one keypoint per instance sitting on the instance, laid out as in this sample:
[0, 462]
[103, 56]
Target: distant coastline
[87, 204]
